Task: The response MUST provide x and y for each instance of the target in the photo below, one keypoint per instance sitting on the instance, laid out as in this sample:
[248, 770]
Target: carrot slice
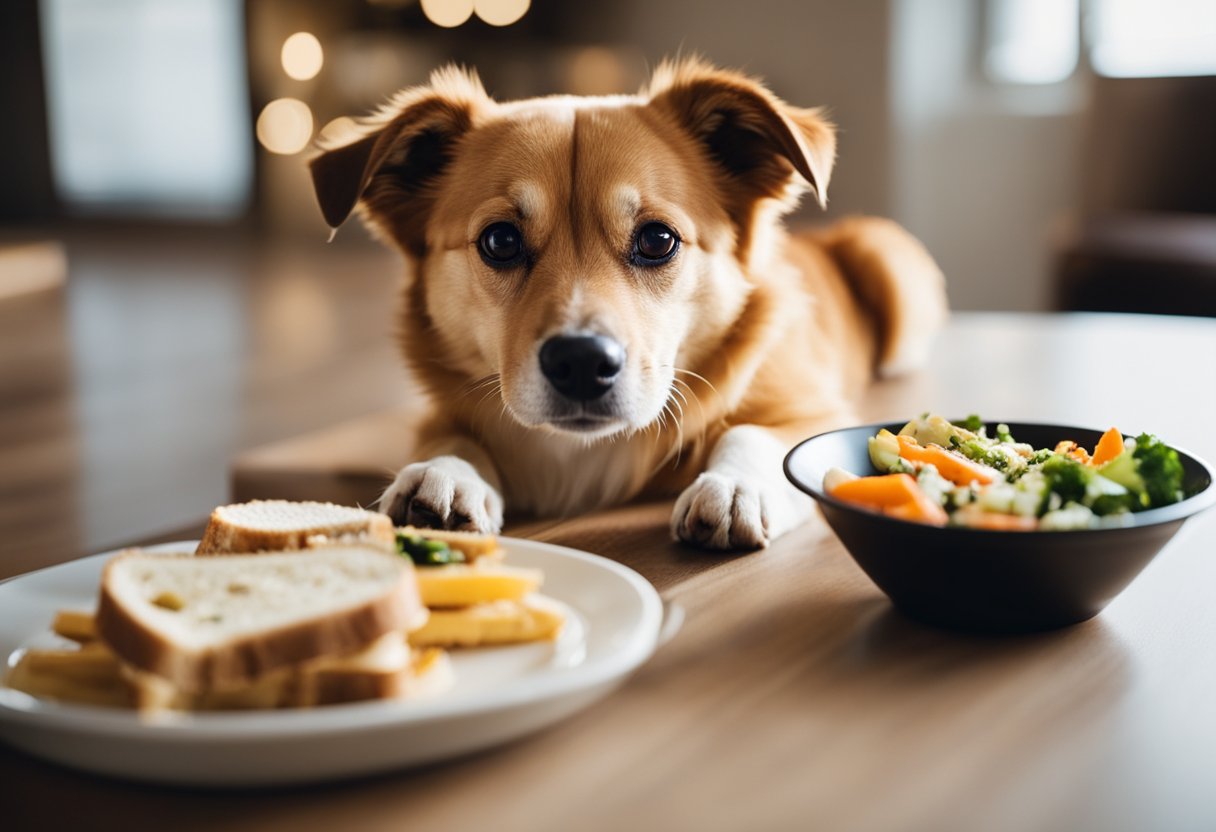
[958, 469]
[921, 511]
[993, 521]
[897, 495]
[1109, 447]
[881, 491]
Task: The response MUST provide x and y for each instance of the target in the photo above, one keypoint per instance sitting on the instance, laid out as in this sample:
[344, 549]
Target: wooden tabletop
[795, 698]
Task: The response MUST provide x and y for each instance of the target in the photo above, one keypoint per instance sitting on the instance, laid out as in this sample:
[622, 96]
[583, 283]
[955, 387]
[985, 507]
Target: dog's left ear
[759, 140]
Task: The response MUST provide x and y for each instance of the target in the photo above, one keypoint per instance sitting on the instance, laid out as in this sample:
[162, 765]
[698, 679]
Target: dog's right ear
[405, 147]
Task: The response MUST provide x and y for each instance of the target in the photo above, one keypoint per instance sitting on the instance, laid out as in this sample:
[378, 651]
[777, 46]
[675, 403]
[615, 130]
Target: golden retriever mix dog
[603, 303]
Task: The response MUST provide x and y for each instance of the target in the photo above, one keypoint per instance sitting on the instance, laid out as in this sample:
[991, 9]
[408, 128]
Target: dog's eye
[655, 243]
[501, 244]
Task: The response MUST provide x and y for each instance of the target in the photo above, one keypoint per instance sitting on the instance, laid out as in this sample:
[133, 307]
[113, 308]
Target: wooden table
[795, 698]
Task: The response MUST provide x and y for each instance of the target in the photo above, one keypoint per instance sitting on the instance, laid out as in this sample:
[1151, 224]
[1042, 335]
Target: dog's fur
[744, 342]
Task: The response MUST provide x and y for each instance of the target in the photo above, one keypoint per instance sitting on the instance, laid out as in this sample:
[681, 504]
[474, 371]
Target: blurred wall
[811, 53]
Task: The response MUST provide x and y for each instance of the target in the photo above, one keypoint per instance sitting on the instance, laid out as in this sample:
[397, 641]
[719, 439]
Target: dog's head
[582, 250]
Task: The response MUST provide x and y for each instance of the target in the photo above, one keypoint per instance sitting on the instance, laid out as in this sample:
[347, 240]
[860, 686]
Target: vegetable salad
[942, 473]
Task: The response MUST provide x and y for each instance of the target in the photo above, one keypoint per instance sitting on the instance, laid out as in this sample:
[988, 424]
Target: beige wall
[811, 53]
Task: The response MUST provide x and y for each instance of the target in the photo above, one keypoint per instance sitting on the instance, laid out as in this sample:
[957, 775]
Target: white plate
[500, 694]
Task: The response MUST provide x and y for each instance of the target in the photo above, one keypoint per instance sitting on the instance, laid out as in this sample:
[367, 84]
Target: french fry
[75, 625]
[458, 585]
[535, 618]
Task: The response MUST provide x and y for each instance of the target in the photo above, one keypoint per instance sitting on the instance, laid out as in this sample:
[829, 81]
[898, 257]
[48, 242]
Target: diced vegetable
[976, 518]
[835, 477]
[954, 467]
[1108, 447]
[1069, 518]
[884, 451]
[895, 494]
[934, 430]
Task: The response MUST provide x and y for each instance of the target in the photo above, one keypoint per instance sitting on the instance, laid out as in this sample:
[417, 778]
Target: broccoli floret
[972, 423]
[1115, 503]
[1066, 477]
[1040, 456]
[1003, 434]
[980, 451]
[1160, 469]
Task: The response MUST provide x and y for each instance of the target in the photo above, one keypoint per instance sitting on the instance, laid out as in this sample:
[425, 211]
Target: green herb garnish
[425, 552]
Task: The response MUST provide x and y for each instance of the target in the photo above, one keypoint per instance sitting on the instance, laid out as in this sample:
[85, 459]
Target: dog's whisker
[693, 394]
[698, 377]
[478, 384]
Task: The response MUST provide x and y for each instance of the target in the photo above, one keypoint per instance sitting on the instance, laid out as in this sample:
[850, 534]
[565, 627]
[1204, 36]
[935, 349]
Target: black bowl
[992, 581]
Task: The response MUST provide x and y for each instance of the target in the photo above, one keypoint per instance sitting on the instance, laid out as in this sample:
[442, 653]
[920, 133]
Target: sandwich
[475, 599]
[287, 629]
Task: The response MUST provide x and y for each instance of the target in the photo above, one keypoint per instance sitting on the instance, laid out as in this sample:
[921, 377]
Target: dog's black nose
[582, 367]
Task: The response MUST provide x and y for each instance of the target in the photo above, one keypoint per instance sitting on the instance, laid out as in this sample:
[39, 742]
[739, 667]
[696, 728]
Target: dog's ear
[405, 147]
[759, 140]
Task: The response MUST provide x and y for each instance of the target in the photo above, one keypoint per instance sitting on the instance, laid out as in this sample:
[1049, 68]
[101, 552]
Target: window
[1148, 38]
[148, 106]
[1041, 41]
[1032, 41]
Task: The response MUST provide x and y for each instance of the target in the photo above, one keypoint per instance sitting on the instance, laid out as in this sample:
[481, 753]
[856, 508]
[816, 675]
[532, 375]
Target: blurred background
[171, 298]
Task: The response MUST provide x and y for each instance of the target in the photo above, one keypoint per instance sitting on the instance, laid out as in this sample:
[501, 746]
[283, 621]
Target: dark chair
[1146, 238]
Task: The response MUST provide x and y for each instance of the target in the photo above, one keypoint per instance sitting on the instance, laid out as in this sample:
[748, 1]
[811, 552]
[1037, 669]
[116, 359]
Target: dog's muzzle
[582, 368]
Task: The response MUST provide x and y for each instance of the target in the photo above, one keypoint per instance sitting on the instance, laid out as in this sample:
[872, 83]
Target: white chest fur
[556, 475]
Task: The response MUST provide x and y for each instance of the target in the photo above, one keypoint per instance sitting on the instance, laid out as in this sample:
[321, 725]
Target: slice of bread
[474, 546]
[207, 624]
[534, 618]
[280, 525]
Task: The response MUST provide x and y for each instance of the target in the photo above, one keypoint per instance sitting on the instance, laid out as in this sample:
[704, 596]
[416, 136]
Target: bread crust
[242, 660]
[223, 537]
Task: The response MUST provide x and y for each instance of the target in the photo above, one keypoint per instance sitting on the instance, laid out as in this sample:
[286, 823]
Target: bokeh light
[285, 126]
[501, 12]
[302, 56]
[447, 13]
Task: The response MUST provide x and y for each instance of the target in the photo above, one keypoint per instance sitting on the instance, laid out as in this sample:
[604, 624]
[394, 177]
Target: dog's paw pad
[443, 493]
[720, 512]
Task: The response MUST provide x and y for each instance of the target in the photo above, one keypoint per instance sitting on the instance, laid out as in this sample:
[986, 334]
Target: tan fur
[745, 326]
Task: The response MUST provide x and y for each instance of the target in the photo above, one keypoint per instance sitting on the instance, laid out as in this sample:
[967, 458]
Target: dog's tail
[897, 280]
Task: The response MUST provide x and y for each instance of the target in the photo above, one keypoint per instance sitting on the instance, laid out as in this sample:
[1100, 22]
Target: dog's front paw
[443, 493]
[722, 512]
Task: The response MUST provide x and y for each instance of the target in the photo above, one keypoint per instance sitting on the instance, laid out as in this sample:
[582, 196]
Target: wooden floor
[124, 395]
